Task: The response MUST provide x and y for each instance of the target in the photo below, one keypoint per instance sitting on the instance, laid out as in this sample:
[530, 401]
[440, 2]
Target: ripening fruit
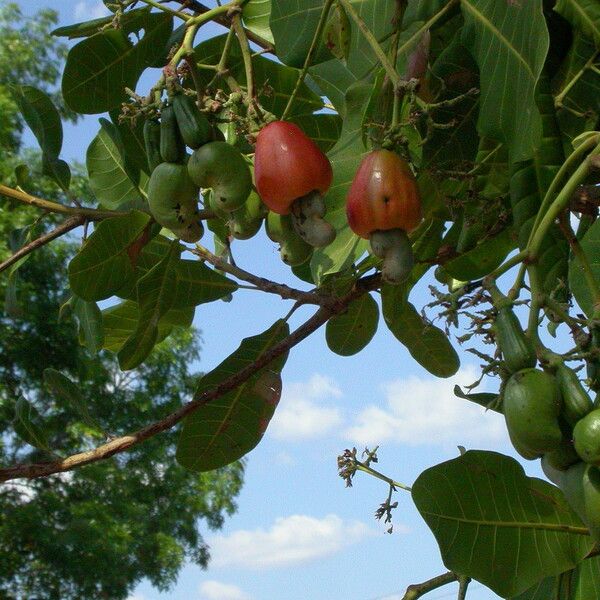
[383, 195]
[288, 165]
[383, 206]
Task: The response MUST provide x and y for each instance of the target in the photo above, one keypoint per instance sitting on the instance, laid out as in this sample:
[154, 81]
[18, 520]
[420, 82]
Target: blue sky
[299, 533]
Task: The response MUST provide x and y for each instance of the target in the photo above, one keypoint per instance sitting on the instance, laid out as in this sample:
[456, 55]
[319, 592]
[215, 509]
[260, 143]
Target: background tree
[96, 533]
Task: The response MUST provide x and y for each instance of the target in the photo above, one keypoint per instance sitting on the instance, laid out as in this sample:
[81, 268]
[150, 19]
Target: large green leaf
[427, 344]
[64, 389]
[323, 129]
[496, 525]
[334, 77]
[350, 332]
[28, 425]
[590, 244]
[345, 157]
[584, 15]
[102, 266]
[100, 67]
[132, 140]
[197, 284]
[580, 583]
[509, 42]
[89, 317]
[581, 103]
[156, 291]
[482, 259]
[256, 15]
[42, 117]
[112, 182]
[529, 181]
[121, 320]
[228, 427]
[449, 148]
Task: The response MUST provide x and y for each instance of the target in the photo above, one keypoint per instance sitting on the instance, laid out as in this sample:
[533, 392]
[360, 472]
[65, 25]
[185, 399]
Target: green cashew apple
[532, 404]
[221, 167]
[173, 201]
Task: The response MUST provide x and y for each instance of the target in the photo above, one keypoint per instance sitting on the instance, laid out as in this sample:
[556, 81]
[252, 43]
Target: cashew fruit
[221, 167]
[173, 201]
[532, 404]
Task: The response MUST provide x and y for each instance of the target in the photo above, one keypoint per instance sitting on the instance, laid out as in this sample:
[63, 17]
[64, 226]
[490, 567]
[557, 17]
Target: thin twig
[309, 57]
[266, 285]
[416, 590]
[63, 228]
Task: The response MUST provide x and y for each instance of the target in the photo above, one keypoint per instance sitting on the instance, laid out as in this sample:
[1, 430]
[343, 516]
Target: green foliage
[497, 525]
[222, 431]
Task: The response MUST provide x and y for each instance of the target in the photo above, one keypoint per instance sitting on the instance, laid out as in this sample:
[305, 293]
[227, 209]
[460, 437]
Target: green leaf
[447, 147]
[58, 170]
[121, 320]
[42, 117]
[89, 317]
[197, 284]
[350, 332]
[27, 425]
[333, 76]
[323, 129]
[482, 259]
[132, 140]
[102, 266]
[579, 107]
[84, 29]
[62, 387]
[100, 67]
[256, 15]
[496, 525]
[590, 244]
[509, 41]
[345, 157]
[112, 182]
[529, 181]
[485, 399]
[228, 427]
[156, 291]
[581, 583]
[584, 15]
[427, 344]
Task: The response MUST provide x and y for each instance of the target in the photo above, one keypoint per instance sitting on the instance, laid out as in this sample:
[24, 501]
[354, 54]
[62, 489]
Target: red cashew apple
[383, 205]
[291, 175]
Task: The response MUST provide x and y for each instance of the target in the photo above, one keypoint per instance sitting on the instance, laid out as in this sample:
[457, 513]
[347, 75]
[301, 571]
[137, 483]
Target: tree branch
[91, 214]
[63, 228]
[120, 444]
[417, 590]
[266, 285]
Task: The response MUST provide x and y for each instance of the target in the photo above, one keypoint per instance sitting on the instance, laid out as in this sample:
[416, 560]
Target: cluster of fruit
[549, 415]
[291, 176]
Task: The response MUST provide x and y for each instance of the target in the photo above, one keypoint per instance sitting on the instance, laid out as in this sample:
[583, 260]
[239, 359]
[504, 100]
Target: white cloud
[422, 411]
[301, 414]
[86, 10]
[291, 540]
[136, 597]
[215, 590]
